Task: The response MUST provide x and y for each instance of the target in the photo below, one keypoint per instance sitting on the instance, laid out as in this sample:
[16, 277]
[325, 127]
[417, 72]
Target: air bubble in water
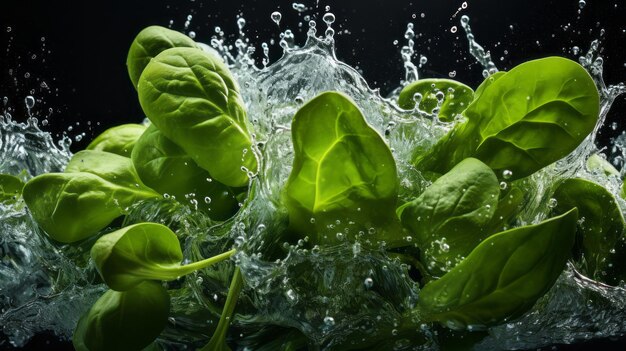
[329, 321]
[276, 16]
[30, 102]
[298, 7]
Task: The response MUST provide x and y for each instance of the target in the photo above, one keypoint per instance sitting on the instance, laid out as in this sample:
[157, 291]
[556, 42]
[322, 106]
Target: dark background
[70, 55]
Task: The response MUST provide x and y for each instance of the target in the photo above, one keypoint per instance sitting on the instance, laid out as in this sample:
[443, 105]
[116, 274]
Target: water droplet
[298, 7]
[552, 203]
[241, 22]
[368, 282]
[464, 5]
[30, 102]
[503, 185]
[507, 174]
[581, 4]
[329, 321]
[276, 16]
[329, 18]
[192, 34]
[453, 29]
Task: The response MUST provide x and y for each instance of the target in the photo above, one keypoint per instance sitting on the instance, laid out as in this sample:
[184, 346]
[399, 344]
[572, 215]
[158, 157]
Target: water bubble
[241, 22]
[452, 74]
[298, 7]
[581, 4]
[464, 5]
[327, 8]
[465, 20]
[30, 102]
[552, 203]
[329, 18]
[368, 282]
[276, 16]
[423, 60]
[507, 174]
[453, 29]
[207, 200]
[192, 34]
[503, 185]
[329, 321]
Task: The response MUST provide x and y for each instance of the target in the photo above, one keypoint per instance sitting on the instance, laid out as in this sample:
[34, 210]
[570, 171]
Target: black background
[78, 49]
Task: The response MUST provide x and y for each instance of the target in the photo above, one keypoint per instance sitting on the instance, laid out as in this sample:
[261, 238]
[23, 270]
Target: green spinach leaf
[74, 206]
[600, 229]
[118, 140]
[166, 168]
[456, 97]
[503, 276]
[342, 169]
[125, 321]
[143, 251]
[10, 188]
[526, 119]
[449, 218]
[194, 101]
[150, 42]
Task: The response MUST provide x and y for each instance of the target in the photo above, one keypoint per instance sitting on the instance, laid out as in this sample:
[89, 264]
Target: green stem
[218, 340]
[192, 267]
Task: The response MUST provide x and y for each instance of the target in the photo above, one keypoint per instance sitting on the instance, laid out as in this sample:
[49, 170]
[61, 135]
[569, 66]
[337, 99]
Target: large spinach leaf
[342, 170]
[503, 276]
[191, 97]
[524, 120]
[455, 97]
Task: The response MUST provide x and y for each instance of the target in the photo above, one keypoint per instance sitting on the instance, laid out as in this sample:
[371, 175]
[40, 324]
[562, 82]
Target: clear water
[45, 286]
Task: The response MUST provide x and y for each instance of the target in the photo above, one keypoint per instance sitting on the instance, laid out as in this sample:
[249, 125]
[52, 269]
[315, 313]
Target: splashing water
[46, 286]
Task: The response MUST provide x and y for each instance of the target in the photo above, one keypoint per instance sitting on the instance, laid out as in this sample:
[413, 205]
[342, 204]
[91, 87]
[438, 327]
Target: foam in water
[45, 286]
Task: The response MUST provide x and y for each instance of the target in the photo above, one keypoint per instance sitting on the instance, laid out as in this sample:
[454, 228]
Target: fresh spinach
[342, 170]
[503, 276]
[125, 321]
[600, 231]
[118, 140]
[191, 97]
[450, 96]
[166, 168]
[524, 120]
[448, 219]
[10, 188]
[150, 42]
[140, 252]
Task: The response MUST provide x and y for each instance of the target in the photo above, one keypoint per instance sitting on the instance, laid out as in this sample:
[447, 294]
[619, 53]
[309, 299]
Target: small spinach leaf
[10, 188]
[503, 276]
[194, 101]
[456, 97]
[118, 140]
[448, 219]
[342, 169]
[600, 229]
[125, 321]
[143, 251]
[150, 42]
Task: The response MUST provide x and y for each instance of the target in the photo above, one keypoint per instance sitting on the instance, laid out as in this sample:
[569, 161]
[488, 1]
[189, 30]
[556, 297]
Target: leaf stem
[218, 340]
[192, 267]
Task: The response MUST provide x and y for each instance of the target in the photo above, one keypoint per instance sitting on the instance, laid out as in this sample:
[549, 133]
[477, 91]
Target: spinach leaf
[503, 276]
[448, 219]
[10, 188]
[526, 119]
[113, 168]
[218, 340]
[456, 97]
[508, 207]
[118, 140]
[143, 251]
[342, 170]
[125, 321]
[150, 42]
[73, 206]
[166, 168]
[600, 229]
[487, 82]
[194, 101]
